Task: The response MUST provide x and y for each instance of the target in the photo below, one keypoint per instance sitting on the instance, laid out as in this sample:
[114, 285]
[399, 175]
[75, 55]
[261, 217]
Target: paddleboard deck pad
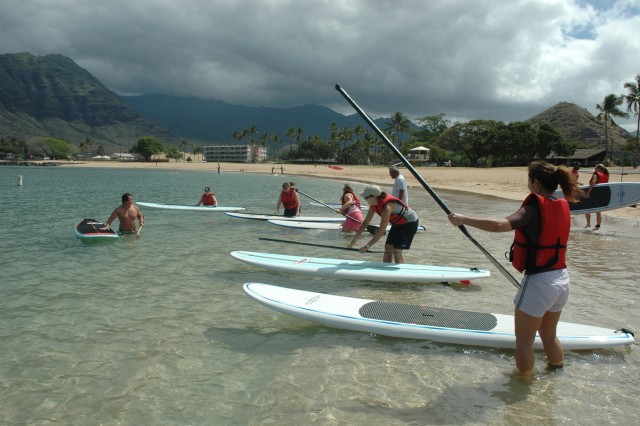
[606, 196]
[261, 216]
[187, 207]
[359, 269]
[90, 229]
[419, 322]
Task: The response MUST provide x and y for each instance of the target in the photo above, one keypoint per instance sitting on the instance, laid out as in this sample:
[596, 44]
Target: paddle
[372, 229]
[315, 245]
[424, 184]
[139, 232]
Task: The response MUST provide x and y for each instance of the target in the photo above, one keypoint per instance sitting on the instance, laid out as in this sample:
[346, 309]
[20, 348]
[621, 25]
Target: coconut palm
[184, 144]
[609, 109]
[633, 105]
[399, 124]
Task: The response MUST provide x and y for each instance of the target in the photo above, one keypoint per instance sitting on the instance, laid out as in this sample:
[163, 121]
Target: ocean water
[157, 330]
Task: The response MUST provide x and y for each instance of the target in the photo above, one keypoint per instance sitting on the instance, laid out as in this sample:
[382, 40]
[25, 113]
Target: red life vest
[207, 199]
[549, 252]
[602, 178]
[288, 199]
[395, 218]
[355, 198]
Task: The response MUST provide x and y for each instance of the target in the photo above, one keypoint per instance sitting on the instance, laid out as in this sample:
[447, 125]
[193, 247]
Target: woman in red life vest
[289, 200]
[541, 228]
[403, 220]
[601, 175]
[350, 208]
[208, 198]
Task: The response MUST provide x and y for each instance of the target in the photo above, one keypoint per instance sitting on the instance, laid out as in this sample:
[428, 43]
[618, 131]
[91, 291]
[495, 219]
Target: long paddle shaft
[426, 186]
[315, 245]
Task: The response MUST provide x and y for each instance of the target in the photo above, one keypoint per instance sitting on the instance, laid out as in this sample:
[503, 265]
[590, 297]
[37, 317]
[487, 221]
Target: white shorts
[543, 292]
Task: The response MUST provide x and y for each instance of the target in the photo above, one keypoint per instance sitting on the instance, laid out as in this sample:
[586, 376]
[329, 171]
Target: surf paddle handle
[424, 184]
[139, 232]
[315, 245]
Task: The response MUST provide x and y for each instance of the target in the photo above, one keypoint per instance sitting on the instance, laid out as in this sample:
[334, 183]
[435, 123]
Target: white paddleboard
[320, 225]
[187, 207]
[90, 229]
[606, 196]
[259, 216]
[422, 322]
[359, 269]
[335, 205]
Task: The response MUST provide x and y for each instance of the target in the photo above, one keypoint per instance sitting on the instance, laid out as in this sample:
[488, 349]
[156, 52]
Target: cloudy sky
[491, 59]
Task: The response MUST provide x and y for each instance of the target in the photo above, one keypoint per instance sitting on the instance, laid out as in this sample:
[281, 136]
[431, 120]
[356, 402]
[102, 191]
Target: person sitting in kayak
[403, 220]
[208, 198]
[289, 199]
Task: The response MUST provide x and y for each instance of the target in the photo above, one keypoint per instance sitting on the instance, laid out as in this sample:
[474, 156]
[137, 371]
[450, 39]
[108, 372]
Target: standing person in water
[403, 220]
[600, 175]
[539, 250]
[350, 208]
[289, 199]
[127, 213]
[208, 198]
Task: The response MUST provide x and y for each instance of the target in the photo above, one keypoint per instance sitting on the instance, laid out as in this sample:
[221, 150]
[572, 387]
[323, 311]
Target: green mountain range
[52, 96]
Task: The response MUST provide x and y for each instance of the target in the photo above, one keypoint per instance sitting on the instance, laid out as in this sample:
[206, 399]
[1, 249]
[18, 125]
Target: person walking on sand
[539, 250]
[127, 214]
[350, 208]
[208, 198]
[399, 189]
[289, 199]
[403, 220]
[600, 175]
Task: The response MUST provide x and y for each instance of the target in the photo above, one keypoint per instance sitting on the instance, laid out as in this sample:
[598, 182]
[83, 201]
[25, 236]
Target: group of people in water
[541, 226]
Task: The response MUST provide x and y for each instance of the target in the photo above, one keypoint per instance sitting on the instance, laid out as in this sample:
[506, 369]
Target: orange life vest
[207, 199]
[549, 252]
[602, 178]
[395, 218]
[288, 199]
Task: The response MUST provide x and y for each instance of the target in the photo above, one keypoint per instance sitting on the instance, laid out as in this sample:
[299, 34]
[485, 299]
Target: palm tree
[399, 124]
[277, 141]
[608, 109]
[184, 144]
[633, 104]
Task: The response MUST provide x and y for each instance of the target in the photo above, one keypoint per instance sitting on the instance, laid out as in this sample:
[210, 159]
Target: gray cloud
[468, 59]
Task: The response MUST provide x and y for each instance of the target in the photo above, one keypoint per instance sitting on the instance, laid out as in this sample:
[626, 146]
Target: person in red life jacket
[350, 208]
[600, 175]
[539, 249]
[208, 198]
[289, 200]
[403, 220]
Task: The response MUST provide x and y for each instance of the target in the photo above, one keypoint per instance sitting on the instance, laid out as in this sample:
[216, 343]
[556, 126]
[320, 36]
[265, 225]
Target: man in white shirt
[399, 185]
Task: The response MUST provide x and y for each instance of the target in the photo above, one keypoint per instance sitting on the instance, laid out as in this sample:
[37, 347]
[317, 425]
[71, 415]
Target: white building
[235, 153]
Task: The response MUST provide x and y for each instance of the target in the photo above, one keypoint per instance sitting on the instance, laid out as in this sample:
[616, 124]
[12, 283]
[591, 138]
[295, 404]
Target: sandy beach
[503, 182]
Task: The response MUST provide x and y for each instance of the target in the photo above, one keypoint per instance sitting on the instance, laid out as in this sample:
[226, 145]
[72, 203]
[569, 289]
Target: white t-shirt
[398, 185]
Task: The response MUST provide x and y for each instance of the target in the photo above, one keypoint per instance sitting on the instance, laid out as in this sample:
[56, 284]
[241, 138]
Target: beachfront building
[235, 153]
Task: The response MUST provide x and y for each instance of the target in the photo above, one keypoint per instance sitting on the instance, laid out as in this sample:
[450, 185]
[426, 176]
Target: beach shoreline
[502, 182]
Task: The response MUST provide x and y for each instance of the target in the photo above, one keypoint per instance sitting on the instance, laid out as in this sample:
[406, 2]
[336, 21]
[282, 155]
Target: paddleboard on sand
[259, 216]
[322, 225]
[187, 207]
[422, 322]
[90, 229]
[606, 196]
[359, 269]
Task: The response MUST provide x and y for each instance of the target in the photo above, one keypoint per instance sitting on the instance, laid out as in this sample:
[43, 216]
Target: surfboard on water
[359, 269]
[188, 207]
[261, 216]
[89, 229]
[422, 322]
[320, 225]
[335, 205]
[606, 196]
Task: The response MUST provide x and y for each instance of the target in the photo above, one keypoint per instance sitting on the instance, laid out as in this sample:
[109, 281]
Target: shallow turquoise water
[159, 331]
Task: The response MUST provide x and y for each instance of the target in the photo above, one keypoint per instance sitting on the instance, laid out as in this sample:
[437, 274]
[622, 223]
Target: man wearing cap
[399, 189]
[208, 198]
[392, 210]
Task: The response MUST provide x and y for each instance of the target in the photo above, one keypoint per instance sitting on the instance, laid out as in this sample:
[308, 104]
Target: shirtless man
[126, 214]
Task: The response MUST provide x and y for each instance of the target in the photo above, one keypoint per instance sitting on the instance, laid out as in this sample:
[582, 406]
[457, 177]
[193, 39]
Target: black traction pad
[426, 315]
[600, 197]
